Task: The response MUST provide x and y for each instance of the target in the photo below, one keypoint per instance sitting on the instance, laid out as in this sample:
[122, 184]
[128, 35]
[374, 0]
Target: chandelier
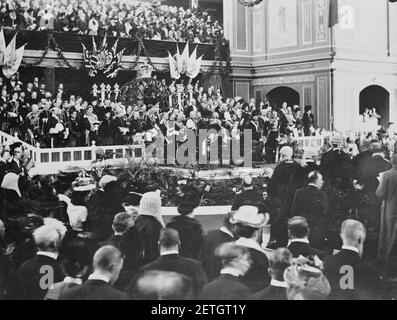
[249, 3]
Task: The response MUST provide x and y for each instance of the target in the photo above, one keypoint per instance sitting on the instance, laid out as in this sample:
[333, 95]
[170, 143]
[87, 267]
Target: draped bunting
[68, 42]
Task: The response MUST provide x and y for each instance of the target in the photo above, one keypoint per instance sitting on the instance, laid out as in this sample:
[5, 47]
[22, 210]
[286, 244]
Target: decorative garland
[141, 48]
[51, 43]
[47, 48]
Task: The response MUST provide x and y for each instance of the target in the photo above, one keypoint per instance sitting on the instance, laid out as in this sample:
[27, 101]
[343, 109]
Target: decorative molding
[284, 80]
[321, 20]
[307, 24]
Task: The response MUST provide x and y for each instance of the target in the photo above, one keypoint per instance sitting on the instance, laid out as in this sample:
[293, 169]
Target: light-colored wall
[304, 48]
[362, 29]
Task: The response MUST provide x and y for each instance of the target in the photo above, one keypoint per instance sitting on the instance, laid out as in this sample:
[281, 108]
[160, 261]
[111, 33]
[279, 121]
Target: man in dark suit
[299, 245]
[336, 165]
[107, 264]
[345, 270]
[308, 122]
[37, 275]
[229, 286]
[171, 261]
[368, 204]
[361, 161]
[279, 261]
[213, 239]
[121, 224]
[377, 165]
[311, 203]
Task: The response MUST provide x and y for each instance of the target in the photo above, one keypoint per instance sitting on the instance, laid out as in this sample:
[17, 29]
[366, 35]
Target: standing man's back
[107, 264]
[36, 275]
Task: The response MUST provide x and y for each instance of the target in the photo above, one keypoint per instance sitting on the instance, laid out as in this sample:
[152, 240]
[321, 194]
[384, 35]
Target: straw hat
[83, 184]
[249, 216]
[105, 180]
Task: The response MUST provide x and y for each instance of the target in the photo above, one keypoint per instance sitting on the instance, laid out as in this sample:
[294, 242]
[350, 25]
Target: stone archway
[278, 95]
[375, 96]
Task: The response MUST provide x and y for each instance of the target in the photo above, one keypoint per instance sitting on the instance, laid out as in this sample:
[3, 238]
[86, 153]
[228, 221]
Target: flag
[192, 63]
[185, 59]
[178, 59]
[333, 13]
[15, 62]
[112, 68]
[9, 54]
[115, 65]
[174, 71]
[2, 47]
[196, 69]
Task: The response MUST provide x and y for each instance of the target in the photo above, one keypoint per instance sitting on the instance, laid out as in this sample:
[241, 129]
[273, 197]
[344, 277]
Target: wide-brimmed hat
[83, 184]
[105, 180]
[249, 216]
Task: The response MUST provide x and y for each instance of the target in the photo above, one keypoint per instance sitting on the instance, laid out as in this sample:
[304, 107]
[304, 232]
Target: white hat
[10, 182]
[105, 180]
[249, 216]
[83, 184]
[150, 205]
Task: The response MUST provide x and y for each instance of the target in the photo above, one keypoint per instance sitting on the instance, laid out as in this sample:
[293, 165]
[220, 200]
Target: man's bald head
[106, 257]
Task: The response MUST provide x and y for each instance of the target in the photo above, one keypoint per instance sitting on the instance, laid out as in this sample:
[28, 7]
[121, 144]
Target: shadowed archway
[375, 96]
[278, 95]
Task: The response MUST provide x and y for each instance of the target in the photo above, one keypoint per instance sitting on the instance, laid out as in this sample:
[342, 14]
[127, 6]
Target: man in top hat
[247, 226]
[308, 122]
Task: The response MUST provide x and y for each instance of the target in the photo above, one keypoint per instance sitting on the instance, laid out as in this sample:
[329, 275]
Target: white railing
[310, 145]
[49, 161]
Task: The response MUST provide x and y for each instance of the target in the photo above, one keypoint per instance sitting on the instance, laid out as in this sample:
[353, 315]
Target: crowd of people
[115, 18]
[58, 119]
[103, 241]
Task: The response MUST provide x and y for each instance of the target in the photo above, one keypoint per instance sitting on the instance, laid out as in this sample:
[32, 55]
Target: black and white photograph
[207, 153]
